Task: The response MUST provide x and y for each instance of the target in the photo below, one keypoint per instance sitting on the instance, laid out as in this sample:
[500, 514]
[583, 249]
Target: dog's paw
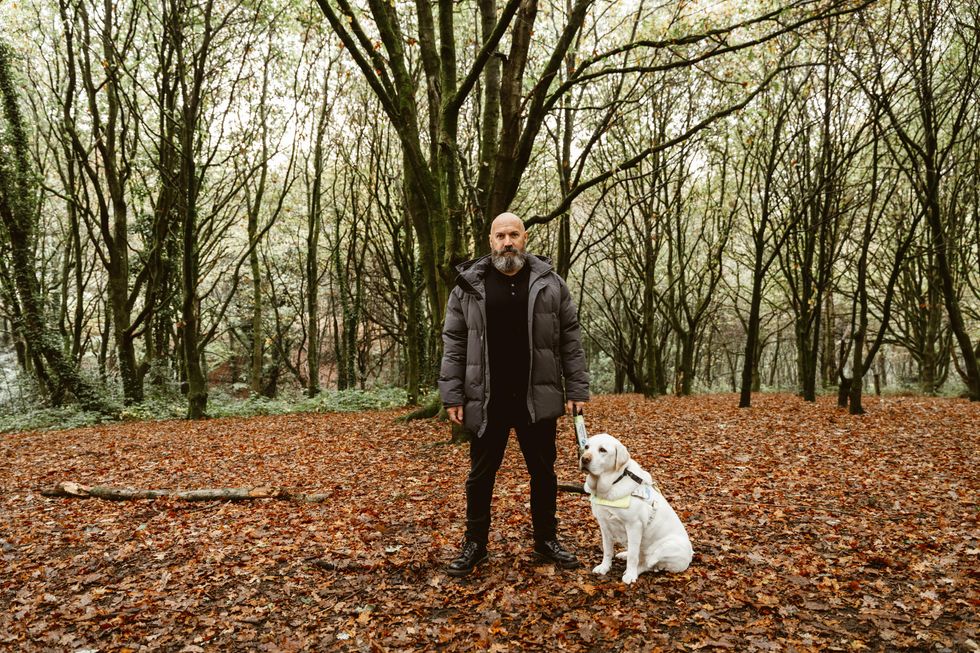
[602, 569]
[630, 577]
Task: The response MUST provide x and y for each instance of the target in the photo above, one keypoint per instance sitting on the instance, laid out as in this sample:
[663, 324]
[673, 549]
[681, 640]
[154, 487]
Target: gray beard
[508, 264]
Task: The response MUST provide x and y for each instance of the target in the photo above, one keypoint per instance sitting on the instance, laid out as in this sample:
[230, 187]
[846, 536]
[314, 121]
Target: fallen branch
[68, 489]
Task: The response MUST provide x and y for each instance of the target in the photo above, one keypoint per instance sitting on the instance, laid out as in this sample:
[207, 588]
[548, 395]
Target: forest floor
[812, 530]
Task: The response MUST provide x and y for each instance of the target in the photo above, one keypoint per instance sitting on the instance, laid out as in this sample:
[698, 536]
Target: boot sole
[459, 573]
[564, 565]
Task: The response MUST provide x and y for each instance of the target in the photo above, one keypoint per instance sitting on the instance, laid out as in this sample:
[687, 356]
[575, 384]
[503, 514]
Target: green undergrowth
[221, 403]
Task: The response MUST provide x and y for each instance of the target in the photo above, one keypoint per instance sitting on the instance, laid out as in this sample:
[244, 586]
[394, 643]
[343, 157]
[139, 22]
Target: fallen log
[68, 489]
[71, 490]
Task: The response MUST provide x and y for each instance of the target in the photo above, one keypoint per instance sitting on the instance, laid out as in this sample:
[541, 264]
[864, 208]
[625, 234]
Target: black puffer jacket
[558, 371]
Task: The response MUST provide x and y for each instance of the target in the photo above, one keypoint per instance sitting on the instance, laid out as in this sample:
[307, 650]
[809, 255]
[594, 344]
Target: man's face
[507, 241]
[507, 235]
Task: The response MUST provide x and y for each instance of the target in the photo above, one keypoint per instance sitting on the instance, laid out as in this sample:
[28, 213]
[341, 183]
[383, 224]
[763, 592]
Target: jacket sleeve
[453, 370]
[573, 364]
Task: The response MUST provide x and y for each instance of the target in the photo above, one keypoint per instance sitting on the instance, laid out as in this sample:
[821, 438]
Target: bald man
[512, 359]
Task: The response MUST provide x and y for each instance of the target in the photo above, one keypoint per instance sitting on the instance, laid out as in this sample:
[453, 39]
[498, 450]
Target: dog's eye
[602, 450]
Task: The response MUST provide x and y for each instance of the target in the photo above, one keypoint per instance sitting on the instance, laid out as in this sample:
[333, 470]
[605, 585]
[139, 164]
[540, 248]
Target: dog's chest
[616, 519]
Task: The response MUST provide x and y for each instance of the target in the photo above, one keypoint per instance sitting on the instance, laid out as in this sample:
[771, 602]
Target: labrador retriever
[631, 510]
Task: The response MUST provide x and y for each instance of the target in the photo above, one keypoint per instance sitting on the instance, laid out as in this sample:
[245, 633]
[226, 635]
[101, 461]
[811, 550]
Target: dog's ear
[621, 457]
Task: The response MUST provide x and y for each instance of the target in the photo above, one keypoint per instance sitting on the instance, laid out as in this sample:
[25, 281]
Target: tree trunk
[342, 340]
[753, 353]
[860, 319]
[649, 329]
[806, 363]
[563, 262]
[414, 345]
[197, 387]
[929, 362]
[749, 363]
[489, 126]
[950, 296]
[258, 337]
[688, 343]
[314, 224]
[164, 245]
[191, 79]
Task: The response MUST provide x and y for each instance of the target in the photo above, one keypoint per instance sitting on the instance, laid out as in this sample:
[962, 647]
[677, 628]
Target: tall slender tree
[772, 222]
[97, 49]
[191, 63]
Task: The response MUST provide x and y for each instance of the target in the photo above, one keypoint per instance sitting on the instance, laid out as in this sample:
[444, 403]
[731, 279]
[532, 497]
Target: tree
[820, 186]
[255, 196]
[191, 65]
[881, 192]
[18, 188]
[771, 221]
[935, 49]
[111, 133]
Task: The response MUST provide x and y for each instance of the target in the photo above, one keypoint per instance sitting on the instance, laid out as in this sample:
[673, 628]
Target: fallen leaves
[812, 530]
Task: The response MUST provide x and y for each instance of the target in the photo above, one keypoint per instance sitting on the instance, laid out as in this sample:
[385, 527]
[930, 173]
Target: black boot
[553, 550]
[471, 555]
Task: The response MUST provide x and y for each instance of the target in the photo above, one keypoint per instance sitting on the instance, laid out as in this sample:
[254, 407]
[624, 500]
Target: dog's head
[602, 454]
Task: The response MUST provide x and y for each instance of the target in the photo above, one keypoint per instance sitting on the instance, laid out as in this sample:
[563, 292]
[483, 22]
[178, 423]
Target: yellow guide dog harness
[643, 491]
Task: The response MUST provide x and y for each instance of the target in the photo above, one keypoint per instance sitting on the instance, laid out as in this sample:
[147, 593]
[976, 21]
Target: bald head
[506, 220]
[507, 241]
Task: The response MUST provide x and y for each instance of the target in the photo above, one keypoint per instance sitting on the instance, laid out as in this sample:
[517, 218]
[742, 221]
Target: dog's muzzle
[583, 462]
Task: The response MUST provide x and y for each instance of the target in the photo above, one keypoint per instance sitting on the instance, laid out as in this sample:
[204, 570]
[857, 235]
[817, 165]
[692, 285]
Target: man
[511, 338]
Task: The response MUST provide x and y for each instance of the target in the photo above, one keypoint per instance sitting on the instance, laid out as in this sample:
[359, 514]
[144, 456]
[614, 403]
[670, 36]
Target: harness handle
[580, 433]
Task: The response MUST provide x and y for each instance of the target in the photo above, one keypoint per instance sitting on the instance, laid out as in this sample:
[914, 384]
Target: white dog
[631, 510]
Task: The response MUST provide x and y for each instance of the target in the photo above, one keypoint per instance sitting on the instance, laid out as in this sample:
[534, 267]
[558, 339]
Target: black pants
[537, 442]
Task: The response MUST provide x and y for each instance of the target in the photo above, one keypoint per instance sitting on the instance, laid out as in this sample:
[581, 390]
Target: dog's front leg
[608, 548]
[634, 535]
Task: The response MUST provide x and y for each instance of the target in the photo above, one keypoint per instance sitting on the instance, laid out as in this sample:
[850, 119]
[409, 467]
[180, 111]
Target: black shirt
[508, 352]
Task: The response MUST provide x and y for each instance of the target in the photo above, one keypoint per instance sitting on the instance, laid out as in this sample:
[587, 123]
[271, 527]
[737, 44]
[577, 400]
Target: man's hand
[455, 414]
[574, 406]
